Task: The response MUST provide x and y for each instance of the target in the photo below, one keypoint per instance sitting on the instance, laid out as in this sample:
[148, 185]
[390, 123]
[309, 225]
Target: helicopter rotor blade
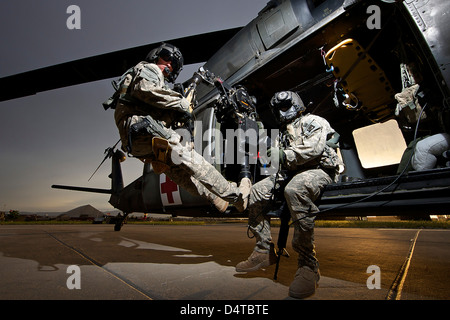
[109, 153]
[196, 49]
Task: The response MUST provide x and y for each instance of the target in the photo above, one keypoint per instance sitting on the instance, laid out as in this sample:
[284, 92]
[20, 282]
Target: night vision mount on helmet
[286, 106]
[168, 52]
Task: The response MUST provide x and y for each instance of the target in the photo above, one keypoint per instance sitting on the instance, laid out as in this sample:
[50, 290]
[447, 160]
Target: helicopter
[347, 59]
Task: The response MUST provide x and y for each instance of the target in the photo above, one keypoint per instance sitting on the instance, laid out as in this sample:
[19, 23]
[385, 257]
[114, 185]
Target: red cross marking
[168, 187]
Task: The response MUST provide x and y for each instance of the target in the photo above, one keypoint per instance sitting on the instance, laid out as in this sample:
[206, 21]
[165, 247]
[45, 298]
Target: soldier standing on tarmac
[307, 164]
[146, 110]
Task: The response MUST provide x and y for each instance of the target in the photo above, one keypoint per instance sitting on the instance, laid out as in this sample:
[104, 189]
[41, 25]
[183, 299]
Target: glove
[277, 152]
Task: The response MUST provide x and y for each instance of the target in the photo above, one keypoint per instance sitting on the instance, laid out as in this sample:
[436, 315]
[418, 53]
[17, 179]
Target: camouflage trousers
[300, 193]
[191, 171]
[197, 176]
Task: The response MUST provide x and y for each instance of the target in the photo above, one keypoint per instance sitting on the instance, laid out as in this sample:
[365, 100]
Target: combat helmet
[286, 106]
[170, 53]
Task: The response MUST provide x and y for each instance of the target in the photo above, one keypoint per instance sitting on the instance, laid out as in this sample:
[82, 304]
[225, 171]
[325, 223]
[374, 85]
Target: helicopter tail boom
[116, 176]
[93, 190]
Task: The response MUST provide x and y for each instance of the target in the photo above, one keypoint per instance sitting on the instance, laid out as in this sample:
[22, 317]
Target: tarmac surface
[196, 262]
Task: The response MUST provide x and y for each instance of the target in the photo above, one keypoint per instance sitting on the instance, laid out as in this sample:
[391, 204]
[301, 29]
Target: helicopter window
[380, 144]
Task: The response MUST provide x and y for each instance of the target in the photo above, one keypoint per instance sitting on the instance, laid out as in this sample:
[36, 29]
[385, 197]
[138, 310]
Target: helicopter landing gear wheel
[120, 220]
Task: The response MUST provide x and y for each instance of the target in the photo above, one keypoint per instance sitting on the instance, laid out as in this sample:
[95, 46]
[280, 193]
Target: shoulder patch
[310, 126]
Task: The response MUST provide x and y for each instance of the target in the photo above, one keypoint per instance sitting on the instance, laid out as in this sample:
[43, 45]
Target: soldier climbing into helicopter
[146, 112]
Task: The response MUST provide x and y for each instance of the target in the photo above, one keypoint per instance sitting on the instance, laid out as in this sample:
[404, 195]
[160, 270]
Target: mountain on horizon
[73, 212]
[86, 210]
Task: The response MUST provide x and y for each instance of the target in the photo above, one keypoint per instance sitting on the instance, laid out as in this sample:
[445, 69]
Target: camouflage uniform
[147, 94]
[312, 164]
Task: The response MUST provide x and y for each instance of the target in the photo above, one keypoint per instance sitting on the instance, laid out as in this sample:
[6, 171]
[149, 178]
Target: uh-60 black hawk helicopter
[346, 58]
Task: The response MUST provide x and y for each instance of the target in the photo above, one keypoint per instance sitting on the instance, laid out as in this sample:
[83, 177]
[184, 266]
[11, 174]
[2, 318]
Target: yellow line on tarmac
[395, 292]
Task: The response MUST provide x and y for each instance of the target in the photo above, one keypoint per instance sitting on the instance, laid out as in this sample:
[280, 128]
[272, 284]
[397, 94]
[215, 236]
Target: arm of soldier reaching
[150, 88]
[307, 138]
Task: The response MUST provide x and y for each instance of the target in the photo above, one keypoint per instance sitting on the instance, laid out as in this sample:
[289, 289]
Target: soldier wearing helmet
[147, 110]
[169, 59]
[307, 165]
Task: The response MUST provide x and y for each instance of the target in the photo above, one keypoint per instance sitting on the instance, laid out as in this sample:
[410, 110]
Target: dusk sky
[59, 136]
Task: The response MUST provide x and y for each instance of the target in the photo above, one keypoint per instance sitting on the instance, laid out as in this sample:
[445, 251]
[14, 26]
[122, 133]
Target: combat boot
[220, 204]
[305, 283]
[257, 260]
[244, 192]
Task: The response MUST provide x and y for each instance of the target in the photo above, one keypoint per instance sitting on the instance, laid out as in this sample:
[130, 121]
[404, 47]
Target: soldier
[307, 165]
[146, 111]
